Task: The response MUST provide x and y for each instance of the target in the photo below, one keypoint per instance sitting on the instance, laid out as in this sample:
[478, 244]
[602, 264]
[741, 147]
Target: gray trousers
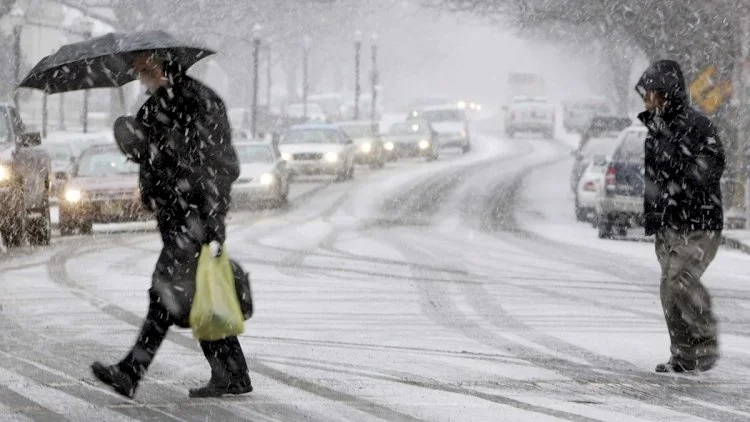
[684, 257]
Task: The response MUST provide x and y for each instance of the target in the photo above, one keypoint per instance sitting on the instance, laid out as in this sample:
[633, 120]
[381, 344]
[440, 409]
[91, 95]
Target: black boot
[679, 365]
[125, 375]
[217, 387]
[116, 377]
[229, 373]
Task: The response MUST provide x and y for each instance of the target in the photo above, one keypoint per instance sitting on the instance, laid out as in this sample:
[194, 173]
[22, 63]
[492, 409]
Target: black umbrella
[106, 61]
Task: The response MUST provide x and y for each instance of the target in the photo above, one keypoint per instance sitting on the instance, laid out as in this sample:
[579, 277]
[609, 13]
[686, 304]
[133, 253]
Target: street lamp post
[305, 81]
[85, 27]
[18, 17]
[254, 106]
[269, 67]
[374, 78]
[357, 52]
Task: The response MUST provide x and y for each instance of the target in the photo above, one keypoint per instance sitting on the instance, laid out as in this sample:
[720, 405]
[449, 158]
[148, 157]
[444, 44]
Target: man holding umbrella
[181, 139]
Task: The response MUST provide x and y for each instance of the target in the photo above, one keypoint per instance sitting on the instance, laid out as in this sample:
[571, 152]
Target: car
[314, 112]
[450, 123]
[370, 148]
[63, 157]
[602, 131]
[103, 189]
[330, 103]
[317, 149]
[530, 114]
[619, 205]
[603, 124]
[589, 163]
[590, 184]
[25, 183]
[577, 115]
[263, 175]
[414, 138]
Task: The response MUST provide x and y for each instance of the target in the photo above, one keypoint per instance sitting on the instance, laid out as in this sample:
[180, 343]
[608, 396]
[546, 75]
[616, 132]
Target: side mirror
[348, 142]
[29, 139]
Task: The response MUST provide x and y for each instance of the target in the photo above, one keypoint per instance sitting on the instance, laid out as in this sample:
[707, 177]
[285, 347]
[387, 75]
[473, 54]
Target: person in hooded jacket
[684, 162]
[182, 140]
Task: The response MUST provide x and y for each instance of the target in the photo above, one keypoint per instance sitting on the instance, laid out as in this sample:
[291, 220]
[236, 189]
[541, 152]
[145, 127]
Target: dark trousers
[684, 257]
[224, 356]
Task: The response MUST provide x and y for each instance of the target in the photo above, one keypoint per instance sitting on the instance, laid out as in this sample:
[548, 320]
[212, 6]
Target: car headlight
[73, 195]
[463, 133]
[366, 147]
[286, 156]
[332, 156]
[461, 104]
[267, 179]
[388, 146]
[4, 173]
[423, 144]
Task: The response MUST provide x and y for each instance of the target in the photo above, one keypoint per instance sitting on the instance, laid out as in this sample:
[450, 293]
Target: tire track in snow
[441, 310]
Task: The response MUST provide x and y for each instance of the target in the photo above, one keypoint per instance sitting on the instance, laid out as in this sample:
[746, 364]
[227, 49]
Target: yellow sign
[707, 93]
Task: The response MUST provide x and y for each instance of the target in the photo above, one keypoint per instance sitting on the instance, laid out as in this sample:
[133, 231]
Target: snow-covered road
[461, 290]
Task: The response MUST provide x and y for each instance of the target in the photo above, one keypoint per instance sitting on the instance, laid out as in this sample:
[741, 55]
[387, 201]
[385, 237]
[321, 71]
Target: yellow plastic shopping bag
[216, 312]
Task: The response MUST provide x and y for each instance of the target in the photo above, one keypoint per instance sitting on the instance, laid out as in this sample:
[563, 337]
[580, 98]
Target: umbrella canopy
[106, 61]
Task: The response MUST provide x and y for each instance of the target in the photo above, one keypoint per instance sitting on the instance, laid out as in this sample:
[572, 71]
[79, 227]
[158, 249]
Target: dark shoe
[116, 378]
[702, 364]
[674, 366]
[218, 388]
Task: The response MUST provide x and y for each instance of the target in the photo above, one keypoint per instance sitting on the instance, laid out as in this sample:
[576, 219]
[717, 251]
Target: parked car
[25, 181]
[590, 185]
[619, 205]
[321, 149]
[603, 124]
[602, 131]
[103, 189]
[450, 123]
[530, 114]
[577, 115]
[263, 178]
[414, 138]
[370, 148]
[63, 157]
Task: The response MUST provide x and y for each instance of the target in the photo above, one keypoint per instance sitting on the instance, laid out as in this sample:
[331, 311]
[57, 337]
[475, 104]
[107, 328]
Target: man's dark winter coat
[684, 158]
[186, 180]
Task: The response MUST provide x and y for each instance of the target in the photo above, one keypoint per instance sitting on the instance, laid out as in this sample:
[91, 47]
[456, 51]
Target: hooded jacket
[684, 158]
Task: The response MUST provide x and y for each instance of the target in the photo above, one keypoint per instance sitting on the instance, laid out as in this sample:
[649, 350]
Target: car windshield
[254, 154]
[632, 147]
[407, 129]
[310, 136]
[358, 131]
[442, 115]
[105, 162]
